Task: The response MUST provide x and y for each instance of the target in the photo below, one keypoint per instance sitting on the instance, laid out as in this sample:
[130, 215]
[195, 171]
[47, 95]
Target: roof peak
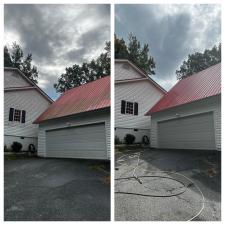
[31, 82]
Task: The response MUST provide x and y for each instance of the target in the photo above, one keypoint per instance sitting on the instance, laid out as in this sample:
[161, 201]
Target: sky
[58, 36]
[172, 32]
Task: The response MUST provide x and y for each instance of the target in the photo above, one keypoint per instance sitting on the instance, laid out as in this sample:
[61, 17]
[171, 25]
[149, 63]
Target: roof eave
[39, 121]
[150, 112]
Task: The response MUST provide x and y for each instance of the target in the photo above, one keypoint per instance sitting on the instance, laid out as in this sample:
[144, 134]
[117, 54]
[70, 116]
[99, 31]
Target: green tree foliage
[77, 75]
[17, 56]
[7, 58]
[199, 61]
[16, 60]
[135, 52]
[30, 71]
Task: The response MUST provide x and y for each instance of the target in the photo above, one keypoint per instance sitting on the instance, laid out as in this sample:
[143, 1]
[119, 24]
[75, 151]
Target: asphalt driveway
[56, 190]
[194, 189]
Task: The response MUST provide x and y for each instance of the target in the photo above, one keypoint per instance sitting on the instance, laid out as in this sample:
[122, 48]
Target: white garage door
[77, 142]
[192, 132]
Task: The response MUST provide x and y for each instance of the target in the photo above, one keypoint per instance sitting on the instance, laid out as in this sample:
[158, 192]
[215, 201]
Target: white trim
[19, 88]
[130, 80]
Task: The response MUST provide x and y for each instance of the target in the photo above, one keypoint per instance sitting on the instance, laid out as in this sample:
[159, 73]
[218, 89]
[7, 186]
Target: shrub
[129, 139]
[117, 140]
[16, 146]
[145, 140]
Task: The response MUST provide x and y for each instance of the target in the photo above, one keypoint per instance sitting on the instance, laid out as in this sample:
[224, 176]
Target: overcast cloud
[58, 36]
[172, 32]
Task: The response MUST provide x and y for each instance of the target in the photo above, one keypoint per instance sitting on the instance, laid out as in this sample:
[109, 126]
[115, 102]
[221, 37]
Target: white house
[77, 124]
[189, 115]
[24, 101]
[135, 93]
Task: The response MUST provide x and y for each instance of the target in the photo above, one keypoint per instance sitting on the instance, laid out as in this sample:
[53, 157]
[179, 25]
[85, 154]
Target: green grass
[99, 167]
[15, 156]
[10, 157]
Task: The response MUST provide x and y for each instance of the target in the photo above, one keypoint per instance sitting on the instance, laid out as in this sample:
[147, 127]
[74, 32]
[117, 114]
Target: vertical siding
[76, 120]
[123, 70]
[211, 104]
[108, 136]
[14, 79]
[142, 92]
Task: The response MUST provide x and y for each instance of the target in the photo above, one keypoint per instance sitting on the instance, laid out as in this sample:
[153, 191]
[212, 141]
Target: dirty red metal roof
[198, 86]
[87, 97]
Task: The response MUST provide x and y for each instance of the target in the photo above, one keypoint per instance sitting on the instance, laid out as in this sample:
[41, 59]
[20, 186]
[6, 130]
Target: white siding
[26, 141]
[142, 92]
[33, 103]
[212, 104]
[121, 133]
[14, 79]
[72, 121]
[123, 70]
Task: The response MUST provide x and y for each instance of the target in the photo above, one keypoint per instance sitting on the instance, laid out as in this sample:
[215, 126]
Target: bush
[117, 140]
[145, 140]
[129, 139]
[16, 146]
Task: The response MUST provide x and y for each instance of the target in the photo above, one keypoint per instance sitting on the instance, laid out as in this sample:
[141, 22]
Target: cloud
[172, 32]
[58, 36]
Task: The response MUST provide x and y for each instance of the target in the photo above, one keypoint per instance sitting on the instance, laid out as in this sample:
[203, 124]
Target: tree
[121, 51]
[16, 60]
[29, 70]
[135, 52]
[7, 58]
[199, 61]
[77, 75]
[17, 56]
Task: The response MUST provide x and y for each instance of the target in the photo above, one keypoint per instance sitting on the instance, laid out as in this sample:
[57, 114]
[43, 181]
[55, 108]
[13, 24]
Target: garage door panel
[78, 154]
[87, 141]
[193, 132]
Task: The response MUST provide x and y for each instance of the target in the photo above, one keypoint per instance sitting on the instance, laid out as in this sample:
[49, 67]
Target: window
[17, 115]
[129, 107]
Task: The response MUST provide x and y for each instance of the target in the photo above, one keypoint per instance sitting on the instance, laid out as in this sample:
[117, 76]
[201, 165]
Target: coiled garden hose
[138, 179]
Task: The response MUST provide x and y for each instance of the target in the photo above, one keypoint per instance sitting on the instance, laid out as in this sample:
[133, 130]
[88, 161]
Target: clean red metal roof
[198, 86]
[87, 97]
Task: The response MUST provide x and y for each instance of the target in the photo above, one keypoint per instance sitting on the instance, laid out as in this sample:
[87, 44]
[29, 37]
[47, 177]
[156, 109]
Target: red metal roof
[198, 86]
[87, 97]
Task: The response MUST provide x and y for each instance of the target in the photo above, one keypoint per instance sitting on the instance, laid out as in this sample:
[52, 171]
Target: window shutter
[123, 103]
[135, 108]
[11, 110]
[23, 116]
